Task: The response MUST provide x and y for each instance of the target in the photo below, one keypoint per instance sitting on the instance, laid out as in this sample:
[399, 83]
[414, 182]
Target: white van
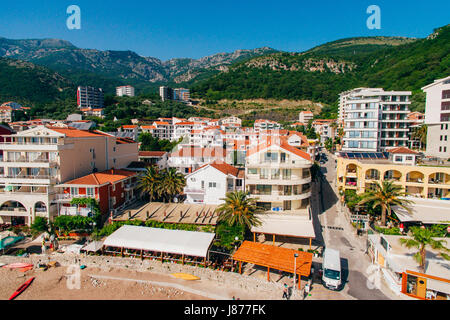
[332, 275]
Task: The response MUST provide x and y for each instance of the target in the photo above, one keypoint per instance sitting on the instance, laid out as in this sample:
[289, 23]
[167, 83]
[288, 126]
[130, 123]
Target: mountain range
[39, 71]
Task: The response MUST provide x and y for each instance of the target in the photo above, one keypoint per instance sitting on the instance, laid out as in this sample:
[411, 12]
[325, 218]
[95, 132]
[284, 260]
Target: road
[333, 230]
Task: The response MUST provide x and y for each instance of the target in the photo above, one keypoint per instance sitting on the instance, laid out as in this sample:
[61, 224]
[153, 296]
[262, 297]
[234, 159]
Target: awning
[286, 225]
[93, 246]
[426, 211]
[187, 243]
[439, 286]
[274, 257]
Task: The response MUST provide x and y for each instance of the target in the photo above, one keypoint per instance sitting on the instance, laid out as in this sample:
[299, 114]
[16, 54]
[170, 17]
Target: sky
[198, 28]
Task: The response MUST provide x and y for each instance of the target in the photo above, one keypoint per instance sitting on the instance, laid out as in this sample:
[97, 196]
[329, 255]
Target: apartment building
[111, 188]
[325, 129]
[6, 114]
[125, 91]
[437, 118]
[89, 97]
[374, 119]
[189, 158]
[231, 122]
[179, 94]
[305, 117]
[154, 158]
[279, 176]
[418, 178]
[37, 159]
[210, 183]
[263, 124]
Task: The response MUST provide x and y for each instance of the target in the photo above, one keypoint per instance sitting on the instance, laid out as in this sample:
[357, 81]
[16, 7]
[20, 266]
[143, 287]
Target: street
[333, 230]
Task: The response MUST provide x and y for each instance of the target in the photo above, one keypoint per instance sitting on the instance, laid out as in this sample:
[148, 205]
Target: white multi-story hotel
[437, 118]
[125, 91]
[36, 160]
[279, 176]
[305, 117]
[374, 119]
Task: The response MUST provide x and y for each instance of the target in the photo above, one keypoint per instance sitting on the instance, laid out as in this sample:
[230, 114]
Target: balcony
[194, 191]
[66, 197]
[131, 186]
[16, 212]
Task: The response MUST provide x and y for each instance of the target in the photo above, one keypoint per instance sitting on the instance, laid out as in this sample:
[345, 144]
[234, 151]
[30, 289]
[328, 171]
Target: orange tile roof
[274, 257]
[129, 127]
[161, 123]
[72, 132]
[100, 178]
[222, 167]
[185, 123]
[148, 127]
[402, 150]
[151, 153]
[282, 144]
[307, 112]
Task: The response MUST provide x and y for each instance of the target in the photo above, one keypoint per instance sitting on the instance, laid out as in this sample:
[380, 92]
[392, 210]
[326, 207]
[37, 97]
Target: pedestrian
[285, 292]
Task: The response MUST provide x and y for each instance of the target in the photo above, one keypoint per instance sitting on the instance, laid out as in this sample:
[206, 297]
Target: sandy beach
[52, 285]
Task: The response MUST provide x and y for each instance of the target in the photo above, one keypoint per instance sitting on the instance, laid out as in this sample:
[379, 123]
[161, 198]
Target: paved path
[333, 230]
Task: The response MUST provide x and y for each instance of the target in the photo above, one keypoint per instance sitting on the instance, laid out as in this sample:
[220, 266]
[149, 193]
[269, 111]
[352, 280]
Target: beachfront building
[418, 177]
[36, 160]
[231, 121]
[374, 120]
[210, 183]
[400, 269]
[437, 118]
[279, 176]
[112, 189]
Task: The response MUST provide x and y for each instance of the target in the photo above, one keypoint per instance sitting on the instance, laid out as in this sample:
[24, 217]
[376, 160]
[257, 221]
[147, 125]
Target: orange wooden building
[276, 258]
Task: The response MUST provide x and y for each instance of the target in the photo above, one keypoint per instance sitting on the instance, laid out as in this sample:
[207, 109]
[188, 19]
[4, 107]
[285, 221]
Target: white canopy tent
[188, 243]
[286, 225]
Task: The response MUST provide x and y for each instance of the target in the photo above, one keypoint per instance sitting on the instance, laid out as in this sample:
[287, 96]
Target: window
[275, 174]
[252, 171]
[239, 183]
[409, 158]
[212, 185]
[74, 191]
[90, 192]
[203, 184]
[264, 174]
[446, 94]
[271, 157]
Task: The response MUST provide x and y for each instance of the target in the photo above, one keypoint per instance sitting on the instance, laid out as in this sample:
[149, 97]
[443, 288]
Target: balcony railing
[41, 143]
[13, 209]
[68, 196]
[41, 177]
[415, 180]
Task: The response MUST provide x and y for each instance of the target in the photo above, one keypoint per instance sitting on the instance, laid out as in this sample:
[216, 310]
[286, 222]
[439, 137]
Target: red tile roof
[151, 153]
[283, 144]
[222, 167]
[402, 150]
[100, 178]
[73, 133]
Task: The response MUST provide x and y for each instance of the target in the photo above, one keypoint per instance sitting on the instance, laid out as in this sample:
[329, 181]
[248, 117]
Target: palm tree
[150, 182]
[421, 238]
[239, 208]
[172, 183]
[420, 133]
[385, 195]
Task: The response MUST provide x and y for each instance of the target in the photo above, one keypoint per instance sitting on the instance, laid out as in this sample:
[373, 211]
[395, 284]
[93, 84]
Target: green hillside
[322, 73]
[27, 83]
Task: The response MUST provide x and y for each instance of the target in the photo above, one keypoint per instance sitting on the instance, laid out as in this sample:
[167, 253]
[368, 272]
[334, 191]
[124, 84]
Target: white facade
[374, 119]
[125, 91]
[305, 117]
[209, 185]
[437, 118]
[278, 175]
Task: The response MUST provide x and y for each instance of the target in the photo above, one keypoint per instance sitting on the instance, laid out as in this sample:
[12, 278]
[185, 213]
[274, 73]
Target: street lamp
[236, 239]
[295, 267]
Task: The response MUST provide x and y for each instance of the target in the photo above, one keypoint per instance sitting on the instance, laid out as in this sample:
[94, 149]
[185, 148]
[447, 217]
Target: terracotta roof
[307, 112]
[161, 123]
[274, 257]
[199, 152]
[129, 127]
[185, 123]
[151, 153]
[298, 124]
[402, 150]
[225, 168]
[100, 178]
[148, 127]
[283, 144]
[73, 133]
